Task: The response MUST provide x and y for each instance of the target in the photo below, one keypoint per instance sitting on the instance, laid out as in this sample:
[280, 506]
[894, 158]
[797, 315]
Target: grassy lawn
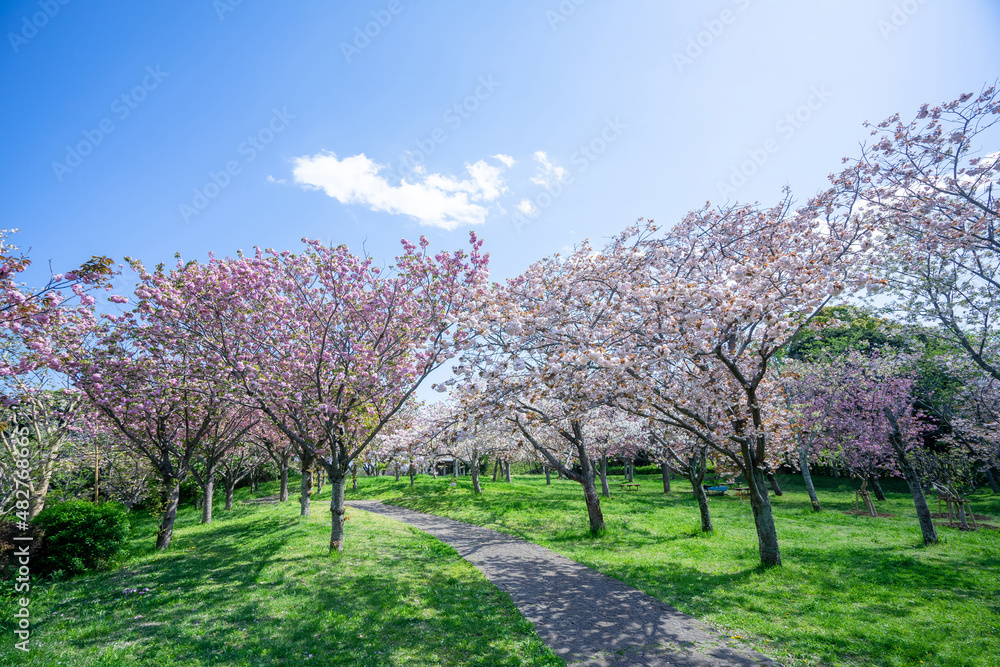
[257, 587]
[852, 590]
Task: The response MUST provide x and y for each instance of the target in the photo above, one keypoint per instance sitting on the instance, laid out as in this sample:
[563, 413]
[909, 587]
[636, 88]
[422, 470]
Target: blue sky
[145, 129]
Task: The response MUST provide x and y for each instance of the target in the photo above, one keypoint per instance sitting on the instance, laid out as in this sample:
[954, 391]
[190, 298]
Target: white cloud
[435, 199]
[506, 159]
[547, 172]
[526, 207]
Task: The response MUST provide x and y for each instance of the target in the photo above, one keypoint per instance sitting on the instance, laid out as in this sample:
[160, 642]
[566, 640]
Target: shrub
[81, 536]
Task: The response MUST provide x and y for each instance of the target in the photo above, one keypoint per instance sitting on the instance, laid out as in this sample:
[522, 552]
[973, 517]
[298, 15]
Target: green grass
[257, 587]
[852, 590]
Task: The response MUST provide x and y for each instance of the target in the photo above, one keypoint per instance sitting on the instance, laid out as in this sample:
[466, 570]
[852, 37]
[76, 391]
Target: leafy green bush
[81, 536]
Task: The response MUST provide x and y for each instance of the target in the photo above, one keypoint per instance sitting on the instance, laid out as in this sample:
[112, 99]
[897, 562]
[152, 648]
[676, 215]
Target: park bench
[629, 486]
[714, 490]
[742, 492]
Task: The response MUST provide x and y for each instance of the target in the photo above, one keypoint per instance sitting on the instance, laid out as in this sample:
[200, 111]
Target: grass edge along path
[853, 590]
[257, 587]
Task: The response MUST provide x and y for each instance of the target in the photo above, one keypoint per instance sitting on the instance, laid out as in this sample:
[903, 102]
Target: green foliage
[81, 536]
[859, 329]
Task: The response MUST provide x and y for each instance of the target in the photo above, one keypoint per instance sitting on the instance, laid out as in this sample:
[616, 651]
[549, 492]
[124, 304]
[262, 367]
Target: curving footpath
[587, 618]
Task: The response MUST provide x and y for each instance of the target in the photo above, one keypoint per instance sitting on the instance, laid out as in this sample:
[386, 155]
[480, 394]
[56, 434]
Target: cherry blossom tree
[931, 186]
[686, 454]
[278, 447]
[162, 402]
[227, 431]
[238, 462]
[48, 415]
[326, 344]
[722, 292]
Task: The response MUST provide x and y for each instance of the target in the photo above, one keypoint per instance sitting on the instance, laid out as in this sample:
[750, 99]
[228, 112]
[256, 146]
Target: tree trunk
[283, 494]
[605, 491]
[590, 492]
[697, 476]
[207, 495]
[37, 501]
[876, 487]
[808, 479]
[630, 467]
[413, 474]
[230, 486]
[665, 473]
[991, 479]
[169, 515]
[306, 486]
[763, 518]
[506, 471]
[963, 521]
[337, 485]
[774, 484]
[496, 464]
[474, 469]
[397, 473]
[320, 477]
[919, 501]
[548, 476]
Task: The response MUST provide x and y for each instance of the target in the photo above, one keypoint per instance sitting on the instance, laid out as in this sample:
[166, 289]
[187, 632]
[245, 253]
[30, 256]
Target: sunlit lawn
[257, 587]
[852, 590]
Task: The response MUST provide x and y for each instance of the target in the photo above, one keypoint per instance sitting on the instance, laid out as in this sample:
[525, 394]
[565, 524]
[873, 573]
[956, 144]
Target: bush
[81, 536]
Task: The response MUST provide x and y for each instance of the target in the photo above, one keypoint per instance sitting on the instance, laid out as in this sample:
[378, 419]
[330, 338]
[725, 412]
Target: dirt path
[586, 617]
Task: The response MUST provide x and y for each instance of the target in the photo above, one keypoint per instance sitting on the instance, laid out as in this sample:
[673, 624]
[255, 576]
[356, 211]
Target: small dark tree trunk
[605, 491]
[476, 488]
[548, 476]
[808, 479]
[320, 477]
[230, 485]
[963, 521]
[413, 474]
[910, 473]
[397, 473]
[169, 515]
[665, 473]
[590, 492]
[306, 485]
[774, 483]
[283, 494]
[630, 466]
[876, 487]
[496, 467]
[697, 476]
[337, 484]
[506, 471]
[991, 479]
[763, 518]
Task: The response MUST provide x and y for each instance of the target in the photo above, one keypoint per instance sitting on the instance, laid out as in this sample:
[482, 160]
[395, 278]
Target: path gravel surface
[588, 618]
